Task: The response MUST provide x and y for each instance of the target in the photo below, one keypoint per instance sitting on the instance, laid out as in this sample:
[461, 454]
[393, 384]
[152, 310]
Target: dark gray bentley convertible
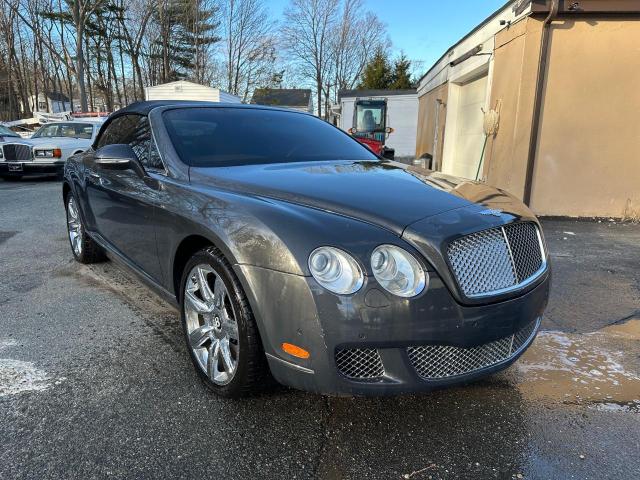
[293, 251]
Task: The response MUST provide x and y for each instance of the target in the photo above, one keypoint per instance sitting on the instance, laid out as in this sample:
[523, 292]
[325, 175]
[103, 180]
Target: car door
[122, 202]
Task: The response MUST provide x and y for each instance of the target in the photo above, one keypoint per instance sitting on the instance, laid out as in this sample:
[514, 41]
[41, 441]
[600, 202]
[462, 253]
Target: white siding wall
[188, 91]
[227, 97]
[402, 116]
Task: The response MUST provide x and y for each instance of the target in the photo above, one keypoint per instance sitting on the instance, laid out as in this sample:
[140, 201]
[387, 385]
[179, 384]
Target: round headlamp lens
[336, 270]
[397, 271]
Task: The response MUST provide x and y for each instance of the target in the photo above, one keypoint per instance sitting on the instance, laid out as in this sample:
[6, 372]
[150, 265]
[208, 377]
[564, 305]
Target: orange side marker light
[294, 350]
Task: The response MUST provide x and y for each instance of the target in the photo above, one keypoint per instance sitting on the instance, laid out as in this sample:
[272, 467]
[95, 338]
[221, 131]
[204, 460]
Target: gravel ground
[95, 380]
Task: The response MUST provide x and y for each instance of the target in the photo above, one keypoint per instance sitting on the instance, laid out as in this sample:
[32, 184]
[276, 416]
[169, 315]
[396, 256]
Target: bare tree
[81, 11]
[249, 45]
[357, 37]
[306, 33]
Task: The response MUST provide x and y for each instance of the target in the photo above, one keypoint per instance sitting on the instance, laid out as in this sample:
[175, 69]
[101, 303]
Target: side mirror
[388, 130]
[119, 156]
[353, 130]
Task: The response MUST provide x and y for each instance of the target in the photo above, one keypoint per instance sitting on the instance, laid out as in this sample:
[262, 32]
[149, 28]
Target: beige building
[564, 80]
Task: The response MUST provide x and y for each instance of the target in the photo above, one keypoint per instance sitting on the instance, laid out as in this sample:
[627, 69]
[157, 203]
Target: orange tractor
[370, 126]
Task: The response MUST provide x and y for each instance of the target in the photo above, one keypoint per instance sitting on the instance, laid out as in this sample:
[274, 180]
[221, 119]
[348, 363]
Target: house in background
[183, 90]
[294, 98]
[50, 102]
[563, 78]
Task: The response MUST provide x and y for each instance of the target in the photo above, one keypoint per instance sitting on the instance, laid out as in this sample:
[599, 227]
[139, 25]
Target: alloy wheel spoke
[225, 353]
[203, 284]
[197, 304]
[219, 291]
[199, 336]
[72, 209]
[212, 359]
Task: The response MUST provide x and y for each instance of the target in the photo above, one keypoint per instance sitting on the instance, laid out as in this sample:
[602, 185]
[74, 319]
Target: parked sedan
[47, 149]
[7, 134]
[291, 249]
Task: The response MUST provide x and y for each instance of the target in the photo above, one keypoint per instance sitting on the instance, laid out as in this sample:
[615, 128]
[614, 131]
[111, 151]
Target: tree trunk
[319, 93]
[79, 24]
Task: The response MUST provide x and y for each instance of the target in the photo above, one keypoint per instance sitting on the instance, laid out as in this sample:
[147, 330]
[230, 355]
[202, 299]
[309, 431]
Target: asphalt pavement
[95, 381]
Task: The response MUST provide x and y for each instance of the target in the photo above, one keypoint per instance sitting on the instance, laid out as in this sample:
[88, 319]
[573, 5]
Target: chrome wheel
[74, 226]
[212, 329]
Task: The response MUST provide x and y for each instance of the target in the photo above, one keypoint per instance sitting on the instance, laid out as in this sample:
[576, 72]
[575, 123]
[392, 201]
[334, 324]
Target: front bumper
[399, 343]
[28, 168]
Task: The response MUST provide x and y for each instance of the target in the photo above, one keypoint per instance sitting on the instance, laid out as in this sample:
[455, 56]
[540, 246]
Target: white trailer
[402, 116]
[183, 90]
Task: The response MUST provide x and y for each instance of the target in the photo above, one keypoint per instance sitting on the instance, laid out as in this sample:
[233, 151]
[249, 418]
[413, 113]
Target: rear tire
[84, 248]
[219, 328]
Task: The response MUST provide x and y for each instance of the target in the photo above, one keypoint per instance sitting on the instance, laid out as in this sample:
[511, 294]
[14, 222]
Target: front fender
[256, 231]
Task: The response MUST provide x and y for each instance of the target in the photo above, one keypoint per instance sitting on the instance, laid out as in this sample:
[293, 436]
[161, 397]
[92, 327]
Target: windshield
[69, 130]
[219, 137]
[370, 116]
[5, 132]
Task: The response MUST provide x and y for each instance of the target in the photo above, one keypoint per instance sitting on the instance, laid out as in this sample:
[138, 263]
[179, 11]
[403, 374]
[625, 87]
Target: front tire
[84, 249]
[220, 332]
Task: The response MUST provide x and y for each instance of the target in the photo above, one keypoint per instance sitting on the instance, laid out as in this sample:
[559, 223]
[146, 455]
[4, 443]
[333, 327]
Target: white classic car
[47, 149]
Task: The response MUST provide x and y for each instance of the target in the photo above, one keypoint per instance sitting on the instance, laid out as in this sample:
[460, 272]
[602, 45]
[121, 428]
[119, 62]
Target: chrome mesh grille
[359, 363]
[16, 152]
[434, 362]
[497, 259]
[525, 248]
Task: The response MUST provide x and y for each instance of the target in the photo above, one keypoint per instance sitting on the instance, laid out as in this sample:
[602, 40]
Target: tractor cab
[370, 125]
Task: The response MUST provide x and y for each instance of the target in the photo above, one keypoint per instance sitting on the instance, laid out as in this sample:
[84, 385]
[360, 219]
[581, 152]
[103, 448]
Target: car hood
[385, 193]
[59, 142]
[14, 140]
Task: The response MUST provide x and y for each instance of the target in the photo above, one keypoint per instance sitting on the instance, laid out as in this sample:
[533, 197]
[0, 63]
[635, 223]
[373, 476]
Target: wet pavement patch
[4, 236]
[600, 368]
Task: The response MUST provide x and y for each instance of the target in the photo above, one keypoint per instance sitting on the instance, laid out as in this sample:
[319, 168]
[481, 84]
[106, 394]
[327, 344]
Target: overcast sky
[424, 29]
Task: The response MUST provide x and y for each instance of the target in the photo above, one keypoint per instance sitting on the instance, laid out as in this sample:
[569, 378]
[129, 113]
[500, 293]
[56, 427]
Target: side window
[118, 130]
[142, 143]
[136, 131]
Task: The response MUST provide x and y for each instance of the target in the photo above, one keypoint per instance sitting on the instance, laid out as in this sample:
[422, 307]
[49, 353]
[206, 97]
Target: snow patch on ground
[17, 376]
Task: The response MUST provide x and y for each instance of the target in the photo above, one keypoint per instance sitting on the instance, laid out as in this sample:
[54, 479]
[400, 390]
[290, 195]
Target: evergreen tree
[377, 74]
[187, 30]
[401, 78]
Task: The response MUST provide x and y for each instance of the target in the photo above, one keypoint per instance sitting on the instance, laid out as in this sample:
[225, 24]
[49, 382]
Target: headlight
[398, 271]
[50, 153]
[335, 270]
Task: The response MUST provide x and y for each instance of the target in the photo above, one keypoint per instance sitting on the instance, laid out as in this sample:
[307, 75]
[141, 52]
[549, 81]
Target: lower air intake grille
[434, 362]
[16, 151]
[359, 363]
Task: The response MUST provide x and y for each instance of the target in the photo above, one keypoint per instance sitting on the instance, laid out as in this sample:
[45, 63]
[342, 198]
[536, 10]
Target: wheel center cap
[217, 324]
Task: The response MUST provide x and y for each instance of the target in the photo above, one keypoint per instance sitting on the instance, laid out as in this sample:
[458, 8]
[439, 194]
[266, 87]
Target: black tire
[252, 372]
[89, 251]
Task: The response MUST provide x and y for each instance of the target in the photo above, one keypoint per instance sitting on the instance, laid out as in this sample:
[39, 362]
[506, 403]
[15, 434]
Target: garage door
[469, 136]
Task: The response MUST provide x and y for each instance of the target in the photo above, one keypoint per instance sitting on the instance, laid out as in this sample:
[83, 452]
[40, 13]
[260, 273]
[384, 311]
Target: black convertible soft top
[145, 107]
